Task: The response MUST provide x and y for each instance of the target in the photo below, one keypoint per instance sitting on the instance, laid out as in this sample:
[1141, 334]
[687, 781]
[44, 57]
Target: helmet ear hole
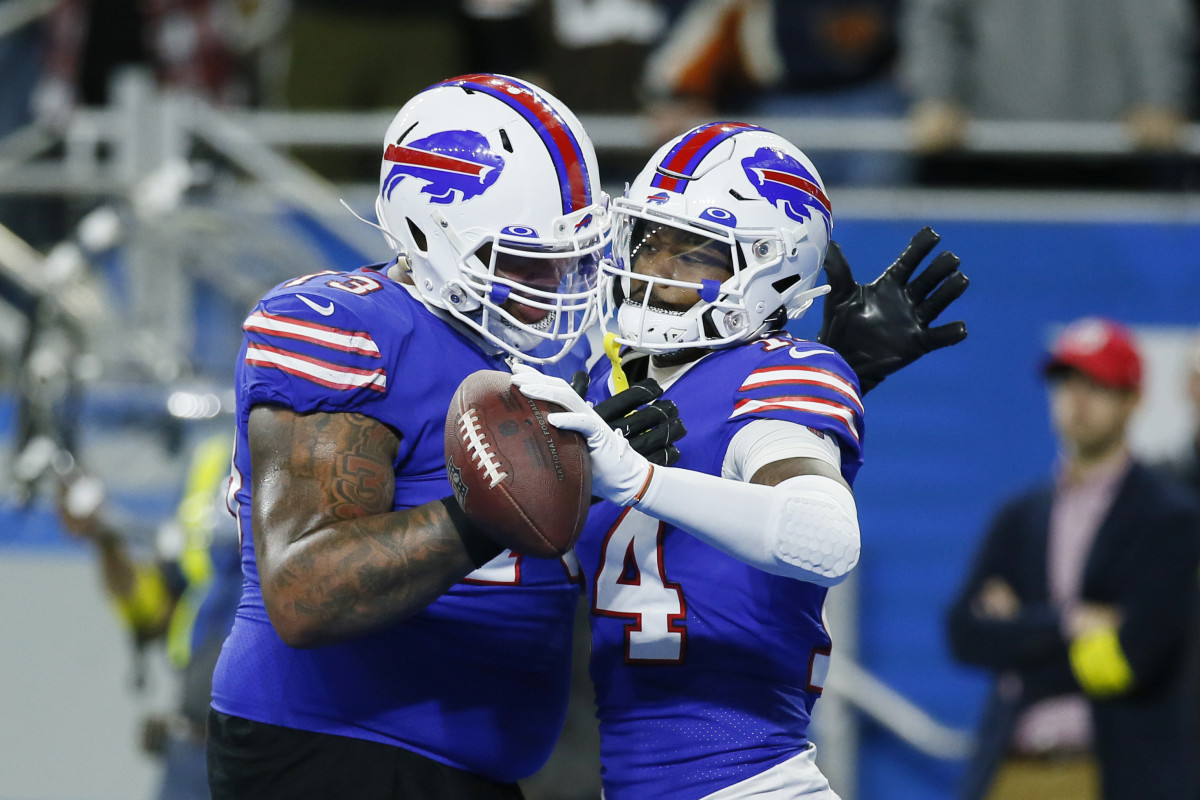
[776, 321]
[710, 327]
[418, 236]
[782, 284]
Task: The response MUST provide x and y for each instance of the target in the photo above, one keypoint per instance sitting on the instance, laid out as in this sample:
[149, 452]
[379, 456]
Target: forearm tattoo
[334, 559]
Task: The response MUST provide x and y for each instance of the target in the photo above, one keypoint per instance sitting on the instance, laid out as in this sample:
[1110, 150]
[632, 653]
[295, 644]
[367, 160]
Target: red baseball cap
[1101, 349]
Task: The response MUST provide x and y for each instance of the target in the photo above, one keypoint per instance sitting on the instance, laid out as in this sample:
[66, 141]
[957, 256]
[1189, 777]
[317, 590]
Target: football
[525, 482]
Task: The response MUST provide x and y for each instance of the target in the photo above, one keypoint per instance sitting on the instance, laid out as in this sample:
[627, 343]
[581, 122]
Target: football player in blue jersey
[707, 579]
[384, 646]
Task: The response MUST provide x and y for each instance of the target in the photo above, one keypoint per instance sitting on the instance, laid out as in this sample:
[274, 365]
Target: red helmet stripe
[686, 155]
[399, 154]
[565, 150]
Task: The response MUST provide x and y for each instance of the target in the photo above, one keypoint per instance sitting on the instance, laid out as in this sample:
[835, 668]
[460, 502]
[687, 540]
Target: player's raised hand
[80, 500]
[883, 326]
[651, 425]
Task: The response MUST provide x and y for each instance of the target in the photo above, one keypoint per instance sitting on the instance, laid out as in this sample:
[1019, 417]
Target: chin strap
[798, 304]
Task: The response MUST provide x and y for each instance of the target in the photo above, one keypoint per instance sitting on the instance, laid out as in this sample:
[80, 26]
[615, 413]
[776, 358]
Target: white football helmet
[735, 188]
[489, 191]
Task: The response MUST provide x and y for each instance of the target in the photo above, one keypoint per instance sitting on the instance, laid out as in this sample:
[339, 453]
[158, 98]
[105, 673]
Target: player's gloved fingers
[943, 266]
[521, 369]
[919, 246]
[553, 390]
[646, 418]
[950, 290]
[666, 457]
[580, 382]
[658, 438]
[670, 456]
[588, 424]
[944, 335]
[620, 404]
[837, 272]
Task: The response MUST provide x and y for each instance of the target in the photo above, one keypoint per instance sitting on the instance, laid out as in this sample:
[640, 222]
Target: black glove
[884, 326]
[652, 429]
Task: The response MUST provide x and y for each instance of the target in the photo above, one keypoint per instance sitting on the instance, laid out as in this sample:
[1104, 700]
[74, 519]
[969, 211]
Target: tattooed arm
[334, 560]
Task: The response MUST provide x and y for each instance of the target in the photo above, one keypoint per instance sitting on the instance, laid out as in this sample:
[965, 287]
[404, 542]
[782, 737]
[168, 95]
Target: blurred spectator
[1082, 602]
[1028, 60]
[612, 38]
[37, 220]
[507, 37]
[366, 55]
[185, 599]
[1186, 465]
[19, 66]
[202, 46]
[830, 58]
[589, 53]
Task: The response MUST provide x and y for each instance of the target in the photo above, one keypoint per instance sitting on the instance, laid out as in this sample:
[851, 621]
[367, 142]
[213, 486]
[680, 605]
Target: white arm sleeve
[804, 528]
[765, 441]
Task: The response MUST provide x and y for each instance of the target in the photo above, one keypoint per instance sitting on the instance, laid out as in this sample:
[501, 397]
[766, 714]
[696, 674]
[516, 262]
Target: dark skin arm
[334, 560]
[777, 472]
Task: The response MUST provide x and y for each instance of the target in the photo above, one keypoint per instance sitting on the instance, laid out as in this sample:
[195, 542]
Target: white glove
[619, 473]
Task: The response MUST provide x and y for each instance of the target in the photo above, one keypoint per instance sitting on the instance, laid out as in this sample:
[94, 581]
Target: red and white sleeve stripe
[325, 373]
[358, 342]
[769, 377]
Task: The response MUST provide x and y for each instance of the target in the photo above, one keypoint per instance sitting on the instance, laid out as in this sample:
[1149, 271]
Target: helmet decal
[680, 162]
[788, 185]
[564, 149]
[719, 215]
[519, 230]
[658, 198]
[455, 165]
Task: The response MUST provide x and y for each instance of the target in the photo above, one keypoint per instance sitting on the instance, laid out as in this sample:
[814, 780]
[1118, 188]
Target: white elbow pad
[805, 527]
[815, 524]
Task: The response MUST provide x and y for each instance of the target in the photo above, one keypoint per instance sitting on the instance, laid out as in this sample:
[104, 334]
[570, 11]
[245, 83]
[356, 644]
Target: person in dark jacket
[1185, 465]
[1082, 602]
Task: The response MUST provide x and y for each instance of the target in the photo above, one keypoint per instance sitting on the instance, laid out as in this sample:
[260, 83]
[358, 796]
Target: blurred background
[164, 162]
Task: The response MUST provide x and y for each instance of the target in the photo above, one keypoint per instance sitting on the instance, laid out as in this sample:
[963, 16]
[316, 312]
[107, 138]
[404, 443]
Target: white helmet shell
[741, 185]
[488, 189]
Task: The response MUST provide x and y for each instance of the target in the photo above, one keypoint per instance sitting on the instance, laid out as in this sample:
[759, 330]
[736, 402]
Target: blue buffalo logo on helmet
[788, 185]
[455, 165]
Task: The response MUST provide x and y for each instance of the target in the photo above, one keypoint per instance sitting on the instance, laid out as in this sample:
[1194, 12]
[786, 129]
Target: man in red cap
[1099, 349]
[1081, 601]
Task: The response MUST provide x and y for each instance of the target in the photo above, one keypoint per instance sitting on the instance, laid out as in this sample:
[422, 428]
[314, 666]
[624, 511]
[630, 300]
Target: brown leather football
[527, 483]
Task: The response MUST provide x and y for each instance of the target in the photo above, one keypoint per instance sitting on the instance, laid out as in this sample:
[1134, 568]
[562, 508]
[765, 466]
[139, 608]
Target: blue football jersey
[706, 669]
[479, 679]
